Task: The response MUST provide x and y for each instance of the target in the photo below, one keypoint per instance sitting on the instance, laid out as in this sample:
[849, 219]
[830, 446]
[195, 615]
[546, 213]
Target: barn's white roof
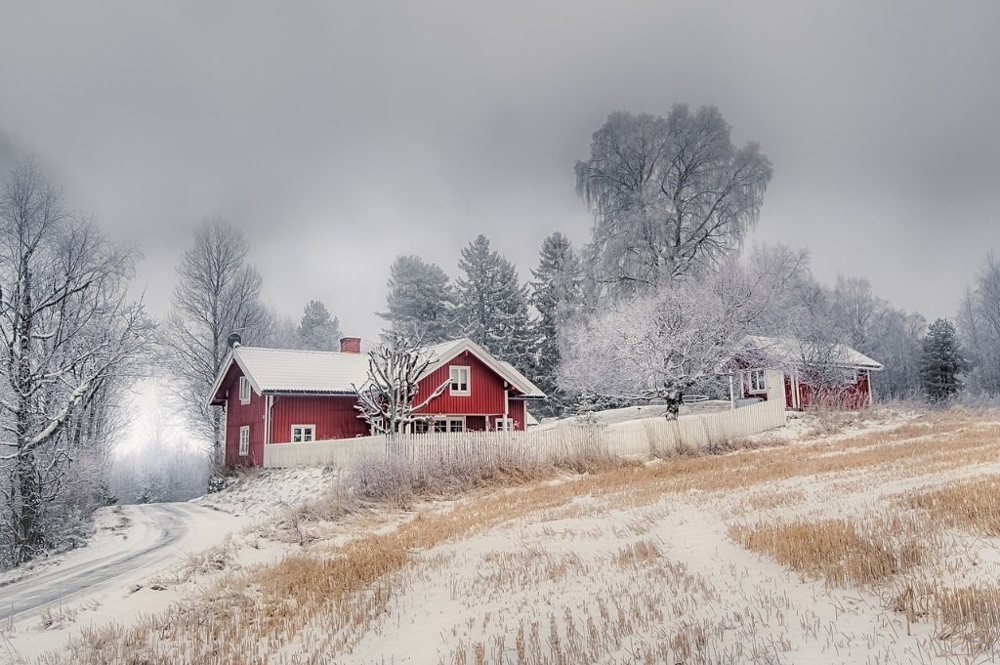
[331, 373]
[786, 351]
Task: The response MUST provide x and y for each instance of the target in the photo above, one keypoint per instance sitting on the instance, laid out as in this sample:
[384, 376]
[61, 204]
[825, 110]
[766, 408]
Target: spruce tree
[493, 305]
[556, 294]
[942, 362]
[420, 301]
[317, 331]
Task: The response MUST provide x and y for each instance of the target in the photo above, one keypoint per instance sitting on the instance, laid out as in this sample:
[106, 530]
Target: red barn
[845, 380]
[282, 395]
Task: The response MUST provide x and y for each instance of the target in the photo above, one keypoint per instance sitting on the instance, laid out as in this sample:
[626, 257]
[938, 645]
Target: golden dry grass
[251, 616]
[972, 505]
[837, 551]
[968, 616]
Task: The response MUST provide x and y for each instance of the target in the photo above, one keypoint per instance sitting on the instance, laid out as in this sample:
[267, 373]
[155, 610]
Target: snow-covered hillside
[672, 561]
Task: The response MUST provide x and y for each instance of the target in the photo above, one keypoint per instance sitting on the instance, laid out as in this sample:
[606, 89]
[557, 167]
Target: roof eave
[213, 398]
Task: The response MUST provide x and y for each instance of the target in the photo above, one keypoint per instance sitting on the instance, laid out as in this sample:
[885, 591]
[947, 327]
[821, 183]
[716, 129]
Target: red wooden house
[281, 395]
[844, 380]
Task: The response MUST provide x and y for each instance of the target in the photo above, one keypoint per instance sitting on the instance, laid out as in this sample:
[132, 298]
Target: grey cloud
[342, 134]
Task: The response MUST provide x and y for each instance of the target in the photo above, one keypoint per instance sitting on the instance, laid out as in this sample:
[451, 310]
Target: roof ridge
[272, 348]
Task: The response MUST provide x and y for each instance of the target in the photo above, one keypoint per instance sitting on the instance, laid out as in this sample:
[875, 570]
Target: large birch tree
[670, 196]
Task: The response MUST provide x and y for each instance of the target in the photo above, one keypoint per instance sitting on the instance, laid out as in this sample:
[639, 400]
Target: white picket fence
[632, 439]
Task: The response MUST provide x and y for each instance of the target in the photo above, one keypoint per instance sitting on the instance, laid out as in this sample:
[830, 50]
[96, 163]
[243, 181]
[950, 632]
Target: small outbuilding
[811, 374]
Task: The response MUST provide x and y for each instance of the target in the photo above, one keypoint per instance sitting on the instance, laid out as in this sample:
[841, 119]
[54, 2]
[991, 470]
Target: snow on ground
[110, 579]
[554, 571]
[169, 557]
[264, 494]
[628, 413]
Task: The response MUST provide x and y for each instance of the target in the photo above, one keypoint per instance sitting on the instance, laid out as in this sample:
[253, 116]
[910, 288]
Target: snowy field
[844, 539]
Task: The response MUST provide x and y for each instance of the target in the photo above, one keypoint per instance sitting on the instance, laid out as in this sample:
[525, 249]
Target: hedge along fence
[634, 439]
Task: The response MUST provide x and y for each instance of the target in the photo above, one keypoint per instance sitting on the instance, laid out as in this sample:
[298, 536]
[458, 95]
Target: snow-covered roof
[287, 370]
[790, 352]
[336, 373]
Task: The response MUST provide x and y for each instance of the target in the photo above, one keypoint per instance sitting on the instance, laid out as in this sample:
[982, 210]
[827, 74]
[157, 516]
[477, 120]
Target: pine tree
[942, 362]
[556, 294]
[493, 305]
[317, 331]
[420, 301]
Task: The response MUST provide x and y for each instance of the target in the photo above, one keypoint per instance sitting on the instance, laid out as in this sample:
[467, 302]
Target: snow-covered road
[155, 537]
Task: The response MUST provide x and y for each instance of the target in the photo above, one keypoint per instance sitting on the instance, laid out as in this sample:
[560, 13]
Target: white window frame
[303, 430]
[244, 390]
[454, 380]
[757, 387]
[244, 440]
[447, 425]
[504, 424]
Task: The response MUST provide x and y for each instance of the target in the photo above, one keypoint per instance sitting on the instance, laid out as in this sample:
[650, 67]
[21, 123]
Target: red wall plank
[485, 387]
[238, 415]
[334, 417]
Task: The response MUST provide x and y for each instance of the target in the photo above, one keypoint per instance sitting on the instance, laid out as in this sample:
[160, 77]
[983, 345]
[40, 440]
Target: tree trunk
[28, 536]
[674, 399]
[218, 452]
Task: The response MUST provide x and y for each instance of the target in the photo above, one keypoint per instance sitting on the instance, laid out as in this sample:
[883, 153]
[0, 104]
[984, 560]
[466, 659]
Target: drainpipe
[267, 418]
[506, 407]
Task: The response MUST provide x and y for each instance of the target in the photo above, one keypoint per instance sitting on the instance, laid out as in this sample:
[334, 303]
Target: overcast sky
[341, 134]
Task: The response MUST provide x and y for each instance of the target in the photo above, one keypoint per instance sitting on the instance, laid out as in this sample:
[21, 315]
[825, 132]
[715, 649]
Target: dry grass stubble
[310, 607]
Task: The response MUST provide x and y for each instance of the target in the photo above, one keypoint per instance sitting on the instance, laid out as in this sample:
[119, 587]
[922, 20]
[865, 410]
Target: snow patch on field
[264, 494]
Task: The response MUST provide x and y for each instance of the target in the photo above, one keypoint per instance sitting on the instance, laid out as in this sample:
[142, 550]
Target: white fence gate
[634, 439]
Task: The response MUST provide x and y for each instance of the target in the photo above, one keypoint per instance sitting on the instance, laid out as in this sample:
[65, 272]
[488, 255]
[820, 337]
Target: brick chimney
[350, 345]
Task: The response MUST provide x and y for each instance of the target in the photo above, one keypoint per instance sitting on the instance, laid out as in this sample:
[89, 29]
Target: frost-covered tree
[160, 459]
[387, 400]
[70, 337]
[979, 329]
[662, 343]
[492, 305]
[317, 331]
[557, 294]
[874, 327]
[420, 303]
[218, 293]
[942, 362]
[670, 196]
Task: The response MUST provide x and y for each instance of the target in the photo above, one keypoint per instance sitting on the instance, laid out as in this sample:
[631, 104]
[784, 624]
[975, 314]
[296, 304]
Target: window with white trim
[505, 424]
[459, 380]
[448, 425]
[244, 390]
[757, 382]
[244, 440]
[303, 433]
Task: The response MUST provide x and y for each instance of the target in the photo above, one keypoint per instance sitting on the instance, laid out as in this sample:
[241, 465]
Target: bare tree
[69, 336]
[979, 328]
[670, 196]
[387, 401]
[217, 294]
[663, 343]
[874, 327]
[160, 463]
